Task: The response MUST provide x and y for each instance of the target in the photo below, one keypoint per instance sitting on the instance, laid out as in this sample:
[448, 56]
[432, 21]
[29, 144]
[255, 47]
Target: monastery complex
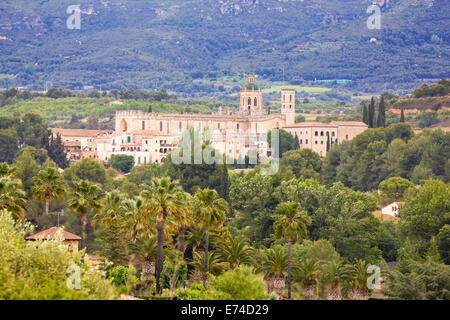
[150, 137]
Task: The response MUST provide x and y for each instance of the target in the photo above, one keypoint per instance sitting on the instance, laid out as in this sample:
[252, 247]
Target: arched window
[290, 98]
[143, 125]
[255, 102]
[249, 101]
[160, 126]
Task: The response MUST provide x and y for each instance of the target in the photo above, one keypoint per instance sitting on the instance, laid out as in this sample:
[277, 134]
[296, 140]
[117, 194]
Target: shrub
[40, 269]
[237, 284]
[119, 275]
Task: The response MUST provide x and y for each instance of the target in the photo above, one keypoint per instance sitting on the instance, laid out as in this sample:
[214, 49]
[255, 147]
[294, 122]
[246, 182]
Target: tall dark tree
[56, 151]
[371, 113]
[295, 143]
[328, 143]
[381, 120]
[402, 116]
[365, 114]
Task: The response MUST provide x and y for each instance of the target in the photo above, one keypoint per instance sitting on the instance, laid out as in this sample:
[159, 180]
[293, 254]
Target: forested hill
[185, 45]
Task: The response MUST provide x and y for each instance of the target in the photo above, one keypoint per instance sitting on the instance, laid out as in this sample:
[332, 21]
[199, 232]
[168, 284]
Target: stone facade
[317, 136]
[150, 137]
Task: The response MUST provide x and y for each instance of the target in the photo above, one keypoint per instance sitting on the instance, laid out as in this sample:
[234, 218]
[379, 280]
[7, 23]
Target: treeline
[442, 88]
[30, 133]
[377, 154]
[11, 96]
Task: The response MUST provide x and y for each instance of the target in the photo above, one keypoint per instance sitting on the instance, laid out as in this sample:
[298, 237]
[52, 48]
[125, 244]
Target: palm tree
[290, 222]
[6, 170]
[48, 184]
[235, 251]
[335, 273]
[195, 238]
[112, 216]
[146, 248]
[141, 232]
[359, 280]
[12, 197]
[163, 199]
[183, 221]
[85, 196]
[209, 211]
[272, 263]
[307, 273]
[213, 265]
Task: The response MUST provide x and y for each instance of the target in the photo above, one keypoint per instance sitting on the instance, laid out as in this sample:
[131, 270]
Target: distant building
[150, 136]
[317, 135]
[392, 209]
[80, 144]
[69, 239]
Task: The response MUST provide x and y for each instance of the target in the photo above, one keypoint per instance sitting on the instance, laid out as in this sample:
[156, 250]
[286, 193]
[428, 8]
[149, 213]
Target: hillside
[203, 47]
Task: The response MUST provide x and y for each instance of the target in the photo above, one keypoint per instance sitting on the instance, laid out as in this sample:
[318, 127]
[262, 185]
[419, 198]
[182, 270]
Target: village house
[68, 239]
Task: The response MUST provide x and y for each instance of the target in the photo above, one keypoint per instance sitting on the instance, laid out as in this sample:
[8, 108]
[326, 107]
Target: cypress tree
[402, 116]
[328, 143]
[295, 143]
[365, 115]
[150, 108]
[371, 113]
[56, 151]
[381, 121]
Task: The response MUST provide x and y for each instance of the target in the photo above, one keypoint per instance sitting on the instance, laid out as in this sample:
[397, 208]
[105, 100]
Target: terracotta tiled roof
[311, 124]
[50, 234]
[349, 123]
[72, 143]
[80, 132]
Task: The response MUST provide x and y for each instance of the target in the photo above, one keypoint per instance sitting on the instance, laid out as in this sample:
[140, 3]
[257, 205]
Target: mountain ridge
[170, 45]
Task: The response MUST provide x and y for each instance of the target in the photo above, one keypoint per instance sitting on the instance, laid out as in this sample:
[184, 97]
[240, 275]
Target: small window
[160, 126]
[321, 133]
[306, 141]
[346, 136]
[316, 133]
[332, 134]
[316, 141]
[143, 125]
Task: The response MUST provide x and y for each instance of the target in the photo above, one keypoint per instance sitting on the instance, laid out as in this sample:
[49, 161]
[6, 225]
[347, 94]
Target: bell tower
[251, 97]
[288, 105]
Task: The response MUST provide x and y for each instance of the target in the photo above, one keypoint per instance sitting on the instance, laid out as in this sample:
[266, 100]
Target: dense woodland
[307, 232]
[185, 47]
